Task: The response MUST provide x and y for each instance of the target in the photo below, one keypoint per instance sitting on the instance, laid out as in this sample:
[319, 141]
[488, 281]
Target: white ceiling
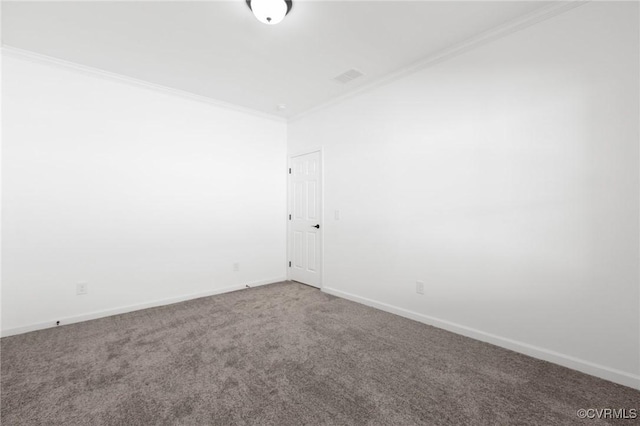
[219, 50]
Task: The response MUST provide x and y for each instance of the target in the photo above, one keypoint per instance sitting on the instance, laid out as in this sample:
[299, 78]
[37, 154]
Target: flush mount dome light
[270, 11]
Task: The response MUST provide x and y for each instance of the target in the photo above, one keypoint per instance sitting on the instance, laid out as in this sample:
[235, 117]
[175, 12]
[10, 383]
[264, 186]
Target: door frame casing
[290, 211]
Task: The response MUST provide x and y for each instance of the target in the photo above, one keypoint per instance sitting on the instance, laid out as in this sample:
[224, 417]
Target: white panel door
[305, 249]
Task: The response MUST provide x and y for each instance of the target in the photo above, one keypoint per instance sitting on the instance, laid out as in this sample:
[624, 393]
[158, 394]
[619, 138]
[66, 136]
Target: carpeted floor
[283, 354]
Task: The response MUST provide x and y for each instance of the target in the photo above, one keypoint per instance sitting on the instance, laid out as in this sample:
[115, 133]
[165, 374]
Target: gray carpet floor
[283, 354]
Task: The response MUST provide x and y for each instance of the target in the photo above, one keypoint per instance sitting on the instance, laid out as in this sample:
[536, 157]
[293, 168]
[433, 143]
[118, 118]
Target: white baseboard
[601, 371]
[134, 307]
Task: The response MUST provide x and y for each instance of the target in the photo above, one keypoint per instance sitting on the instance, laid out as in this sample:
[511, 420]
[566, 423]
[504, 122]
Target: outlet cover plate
[82, 288]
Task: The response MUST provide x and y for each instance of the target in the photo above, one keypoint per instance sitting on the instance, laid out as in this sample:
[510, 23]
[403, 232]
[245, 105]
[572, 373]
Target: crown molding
[539, 15]
[474, 42]
[10, 51]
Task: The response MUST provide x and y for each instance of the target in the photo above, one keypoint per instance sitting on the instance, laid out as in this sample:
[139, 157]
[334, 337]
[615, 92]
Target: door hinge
[289, 264]
[289, 170]
[289, 217]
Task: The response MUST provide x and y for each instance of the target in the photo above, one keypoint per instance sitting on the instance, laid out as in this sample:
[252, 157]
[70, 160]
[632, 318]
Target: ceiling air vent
[348, 76]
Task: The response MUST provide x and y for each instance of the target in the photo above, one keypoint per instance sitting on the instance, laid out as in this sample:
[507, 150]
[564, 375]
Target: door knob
[316, 226]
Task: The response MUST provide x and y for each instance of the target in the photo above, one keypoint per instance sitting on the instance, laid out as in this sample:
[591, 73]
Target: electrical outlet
[82, 288]
[336, 214]
[420, 287]
[236, 267]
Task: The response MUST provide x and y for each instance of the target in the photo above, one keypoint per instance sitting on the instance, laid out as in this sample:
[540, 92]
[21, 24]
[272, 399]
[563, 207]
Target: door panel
[305, 241]
[311, 251]
[298, 249]
[298, 192]
[311, 201]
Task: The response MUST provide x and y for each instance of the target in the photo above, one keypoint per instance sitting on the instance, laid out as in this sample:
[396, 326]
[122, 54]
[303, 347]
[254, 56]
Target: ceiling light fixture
[270, 11]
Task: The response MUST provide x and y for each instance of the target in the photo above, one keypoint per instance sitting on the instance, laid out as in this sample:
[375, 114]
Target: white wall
[506, 179]
[145, 195]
